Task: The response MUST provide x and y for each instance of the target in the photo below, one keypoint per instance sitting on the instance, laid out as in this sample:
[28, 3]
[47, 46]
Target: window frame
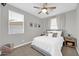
[9, 26]
[51, 26]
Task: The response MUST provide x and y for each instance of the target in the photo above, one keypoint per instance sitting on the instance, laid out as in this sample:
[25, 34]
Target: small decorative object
[38, 26]
[31, 25]
[3, 4]
[69, 35]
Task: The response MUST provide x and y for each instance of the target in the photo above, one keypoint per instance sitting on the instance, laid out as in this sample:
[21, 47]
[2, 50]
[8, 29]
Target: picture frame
[31, 25]
[39, 26]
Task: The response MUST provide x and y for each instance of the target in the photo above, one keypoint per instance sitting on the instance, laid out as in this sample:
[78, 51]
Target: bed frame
[43, 52]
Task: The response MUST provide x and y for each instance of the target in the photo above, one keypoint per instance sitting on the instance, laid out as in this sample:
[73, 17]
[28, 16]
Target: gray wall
[46, 23]
[70, 22]
[77, 26]
[65, 21]
[29, 32]
[0, 23]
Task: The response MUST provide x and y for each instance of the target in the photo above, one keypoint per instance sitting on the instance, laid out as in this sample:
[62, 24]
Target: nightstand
[70, 42]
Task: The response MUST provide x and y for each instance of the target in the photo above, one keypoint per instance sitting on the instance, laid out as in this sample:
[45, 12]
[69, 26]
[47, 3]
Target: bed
[50, 44]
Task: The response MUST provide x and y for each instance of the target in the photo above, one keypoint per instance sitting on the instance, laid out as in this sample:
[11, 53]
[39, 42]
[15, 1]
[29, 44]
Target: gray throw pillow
[54, 34]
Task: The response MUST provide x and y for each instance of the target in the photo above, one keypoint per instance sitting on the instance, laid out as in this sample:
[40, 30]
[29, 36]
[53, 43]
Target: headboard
[51, 30]
[54, 30]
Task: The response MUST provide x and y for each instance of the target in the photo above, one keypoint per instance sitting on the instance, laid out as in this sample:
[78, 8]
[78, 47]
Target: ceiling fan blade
[37, 7]
[44, 4]
[51, 7]
[39, 12]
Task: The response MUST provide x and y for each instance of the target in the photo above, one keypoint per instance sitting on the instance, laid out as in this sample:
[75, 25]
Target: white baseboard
[77, 50]
[22, 44]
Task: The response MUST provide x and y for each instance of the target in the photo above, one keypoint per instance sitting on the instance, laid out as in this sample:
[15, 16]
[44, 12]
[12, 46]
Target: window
[53, 23]
[15, 23]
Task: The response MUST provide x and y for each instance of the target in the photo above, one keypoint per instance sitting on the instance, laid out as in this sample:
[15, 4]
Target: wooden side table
[70, 42]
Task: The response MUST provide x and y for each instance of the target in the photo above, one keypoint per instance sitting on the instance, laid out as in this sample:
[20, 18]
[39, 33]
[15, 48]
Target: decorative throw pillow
[54, 34]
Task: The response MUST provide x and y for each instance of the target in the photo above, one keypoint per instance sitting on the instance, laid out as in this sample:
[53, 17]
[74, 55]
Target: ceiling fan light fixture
[44, 10]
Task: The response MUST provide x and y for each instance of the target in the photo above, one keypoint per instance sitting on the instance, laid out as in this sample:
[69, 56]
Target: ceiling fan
[44, 8]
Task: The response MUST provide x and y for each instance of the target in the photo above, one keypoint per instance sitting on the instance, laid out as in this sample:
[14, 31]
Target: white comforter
[50, 44]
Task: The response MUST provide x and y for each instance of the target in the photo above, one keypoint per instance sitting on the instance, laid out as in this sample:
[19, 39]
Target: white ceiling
[60, 8]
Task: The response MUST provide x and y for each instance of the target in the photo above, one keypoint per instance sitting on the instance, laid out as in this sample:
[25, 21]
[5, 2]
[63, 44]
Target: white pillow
[50, 34]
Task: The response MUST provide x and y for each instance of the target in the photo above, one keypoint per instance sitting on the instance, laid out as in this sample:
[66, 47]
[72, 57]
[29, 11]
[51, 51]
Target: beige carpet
[25, 51]
[68, 51]
[28, 51]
